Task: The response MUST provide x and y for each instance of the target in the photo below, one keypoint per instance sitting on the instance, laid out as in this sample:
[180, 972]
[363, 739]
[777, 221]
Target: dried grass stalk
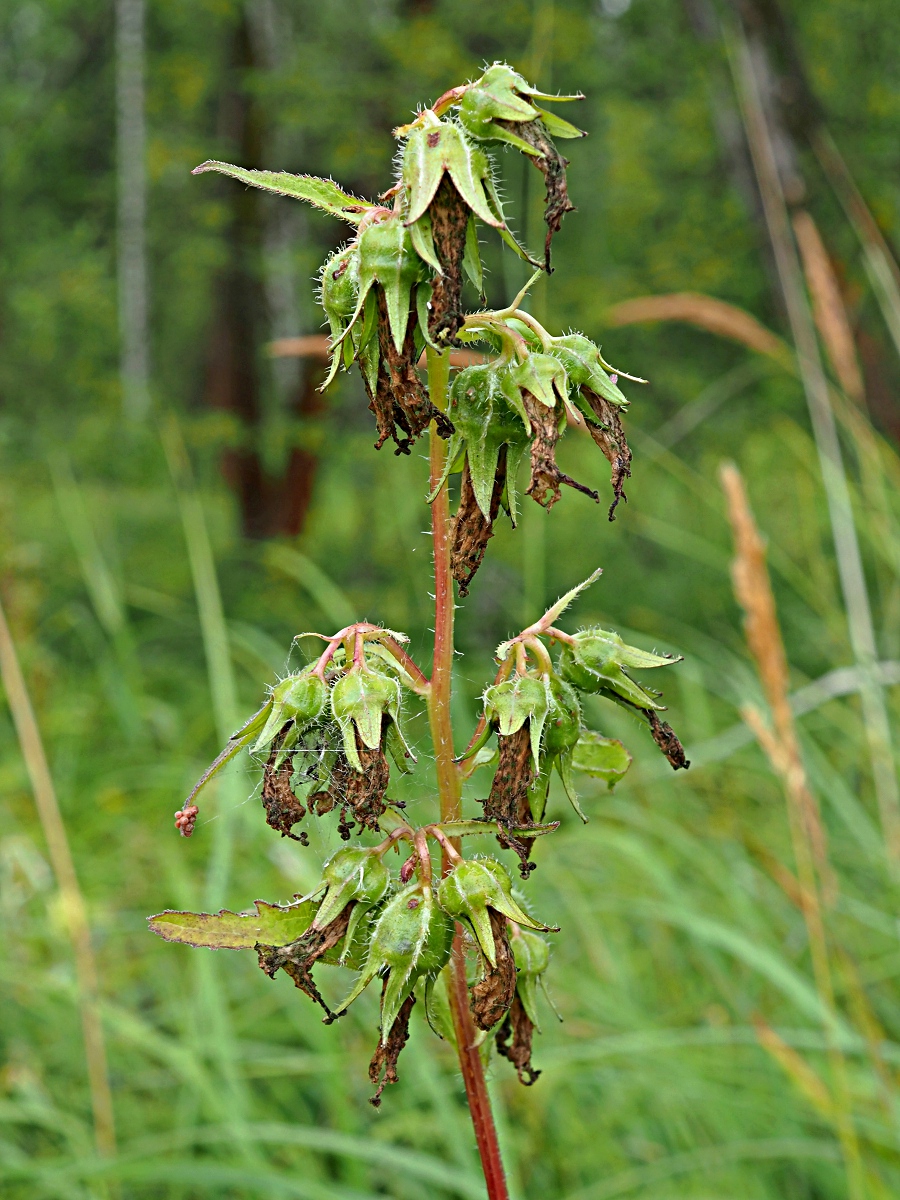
[829, 312]
[753, 590]
[715, 316]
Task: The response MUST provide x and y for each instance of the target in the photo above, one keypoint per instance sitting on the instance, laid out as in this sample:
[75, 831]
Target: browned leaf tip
[552, 166]
[492, 995]
[449, 221]
[519, 1028]
[509, 802]
[298, 958]
[609, 435]
[386, 1054]
[666, 739]
[546, 476]
[470, 530]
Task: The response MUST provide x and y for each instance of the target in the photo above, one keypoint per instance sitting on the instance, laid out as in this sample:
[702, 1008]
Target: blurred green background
[680, 921]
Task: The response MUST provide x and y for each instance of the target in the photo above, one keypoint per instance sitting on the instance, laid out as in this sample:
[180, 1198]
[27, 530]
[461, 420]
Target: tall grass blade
[321, 588]
[849, 560]
[222, 686]
[54, 828]
[754, 593]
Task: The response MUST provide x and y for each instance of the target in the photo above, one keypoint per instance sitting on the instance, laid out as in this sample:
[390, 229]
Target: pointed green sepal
[470, 889]
[361, 698]
[472, 257]
[434, 147]
[508, 705]
[352, 874]
[387, 257]
[484, 417]
[584, 366]
[532, 956]
[411, 940]
[594, 661]
[557, 127]
[300, 698]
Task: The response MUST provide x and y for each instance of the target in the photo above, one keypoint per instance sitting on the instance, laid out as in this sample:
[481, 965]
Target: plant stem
[450, 790]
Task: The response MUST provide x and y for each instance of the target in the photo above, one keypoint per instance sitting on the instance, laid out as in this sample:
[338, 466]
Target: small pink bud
[406, 871]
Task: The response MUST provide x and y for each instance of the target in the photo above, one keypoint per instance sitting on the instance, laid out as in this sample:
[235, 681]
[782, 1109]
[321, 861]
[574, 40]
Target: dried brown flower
[387, 1053]
[493, 994]
[298, 958]
[518, 1027]
[609, 435]
[470, 530]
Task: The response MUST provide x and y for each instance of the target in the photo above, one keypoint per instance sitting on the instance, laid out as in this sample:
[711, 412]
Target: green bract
[593, 662]
[474, 886]
[354, 874]
[601, 758]
[411, 940]
[359, 701]
[487, 414]
[501, 94]
[300, 698]
[508, 705]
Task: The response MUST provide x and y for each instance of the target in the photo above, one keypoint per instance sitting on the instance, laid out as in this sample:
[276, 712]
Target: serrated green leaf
[321, 193]
[271, 925]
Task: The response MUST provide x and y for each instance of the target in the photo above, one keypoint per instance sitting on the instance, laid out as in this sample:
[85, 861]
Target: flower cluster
[397, 288]
[336, 717]
[325, 731]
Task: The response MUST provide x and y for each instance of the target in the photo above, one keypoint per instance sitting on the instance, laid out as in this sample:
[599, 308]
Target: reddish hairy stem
[450, 789]
[412, 668]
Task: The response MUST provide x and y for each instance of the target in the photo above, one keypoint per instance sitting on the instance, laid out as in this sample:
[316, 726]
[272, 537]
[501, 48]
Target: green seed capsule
[359, 701]
[584, 365]
[474, 886]
[411, 940]
[594, 663]
[353, 874]
[300, 698]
